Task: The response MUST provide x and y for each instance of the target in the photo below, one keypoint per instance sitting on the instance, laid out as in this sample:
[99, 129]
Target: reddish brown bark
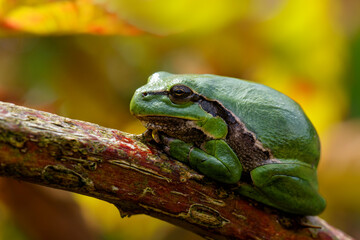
[127, 171]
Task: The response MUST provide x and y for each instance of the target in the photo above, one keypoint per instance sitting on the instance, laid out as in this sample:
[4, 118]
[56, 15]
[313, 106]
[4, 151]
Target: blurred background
[83, 59]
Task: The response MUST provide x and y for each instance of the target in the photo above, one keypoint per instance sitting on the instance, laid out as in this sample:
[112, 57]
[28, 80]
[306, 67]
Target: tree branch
[127, 171]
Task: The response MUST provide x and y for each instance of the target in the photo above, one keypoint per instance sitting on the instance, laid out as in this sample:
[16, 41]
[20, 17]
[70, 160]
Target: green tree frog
[235, 131]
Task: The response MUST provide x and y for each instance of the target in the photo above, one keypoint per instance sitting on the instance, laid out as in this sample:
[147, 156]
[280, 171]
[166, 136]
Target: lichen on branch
[127, 171]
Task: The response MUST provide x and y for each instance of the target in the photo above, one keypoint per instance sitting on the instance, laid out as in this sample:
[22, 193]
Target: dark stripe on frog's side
[250, 151]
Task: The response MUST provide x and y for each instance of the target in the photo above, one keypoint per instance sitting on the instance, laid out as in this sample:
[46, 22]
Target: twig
[127, 171]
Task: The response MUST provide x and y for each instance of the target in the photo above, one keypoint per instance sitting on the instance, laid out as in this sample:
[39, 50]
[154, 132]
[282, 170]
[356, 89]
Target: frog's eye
[180, 94]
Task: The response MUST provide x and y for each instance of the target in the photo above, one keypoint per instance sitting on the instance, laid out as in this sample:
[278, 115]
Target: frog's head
[170, 103]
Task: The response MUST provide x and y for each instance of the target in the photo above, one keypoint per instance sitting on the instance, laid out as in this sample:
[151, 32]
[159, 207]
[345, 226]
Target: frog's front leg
[290, 186]
[214, 158]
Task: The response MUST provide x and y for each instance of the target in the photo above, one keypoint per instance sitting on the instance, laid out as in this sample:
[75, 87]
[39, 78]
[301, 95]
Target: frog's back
[277, 121]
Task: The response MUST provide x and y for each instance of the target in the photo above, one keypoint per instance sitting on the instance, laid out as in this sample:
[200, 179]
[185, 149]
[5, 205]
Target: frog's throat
[179, 128]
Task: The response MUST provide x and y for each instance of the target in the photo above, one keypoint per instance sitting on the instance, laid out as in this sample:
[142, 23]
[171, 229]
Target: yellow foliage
[168, 17]
[61, 17]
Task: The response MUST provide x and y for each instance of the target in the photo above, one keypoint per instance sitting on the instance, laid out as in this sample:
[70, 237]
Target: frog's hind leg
[290, 186]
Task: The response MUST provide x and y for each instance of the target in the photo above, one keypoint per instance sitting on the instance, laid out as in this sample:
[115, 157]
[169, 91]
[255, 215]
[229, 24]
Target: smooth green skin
[278, 122]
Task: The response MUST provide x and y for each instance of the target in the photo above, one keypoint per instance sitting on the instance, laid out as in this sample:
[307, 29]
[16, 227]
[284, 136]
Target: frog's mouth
[179, 128]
